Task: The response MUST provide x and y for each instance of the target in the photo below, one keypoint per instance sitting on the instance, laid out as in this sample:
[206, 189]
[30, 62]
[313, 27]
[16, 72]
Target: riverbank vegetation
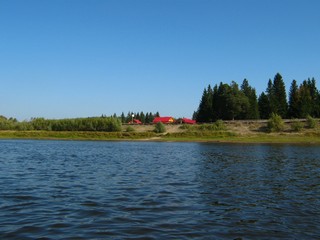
[249, 131]
[102, 124]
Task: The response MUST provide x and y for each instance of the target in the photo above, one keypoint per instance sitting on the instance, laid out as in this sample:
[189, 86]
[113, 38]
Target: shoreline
[261, 138]
[245, 132]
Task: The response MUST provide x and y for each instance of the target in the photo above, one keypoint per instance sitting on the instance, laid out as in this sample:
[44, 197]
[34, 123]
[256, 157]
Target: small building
[188, 121]
[164, 120]
[135, 121]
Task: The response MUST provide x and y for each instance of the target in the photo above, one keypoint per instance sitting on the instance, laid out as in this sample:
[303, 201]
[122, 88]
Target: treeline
[145, 118]
[103, 124]
[229, 101]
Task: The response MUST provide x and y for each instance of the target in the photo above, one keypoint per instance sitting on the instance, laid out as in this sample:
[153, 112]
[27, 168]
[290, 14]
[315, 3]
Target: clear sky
[81, 58]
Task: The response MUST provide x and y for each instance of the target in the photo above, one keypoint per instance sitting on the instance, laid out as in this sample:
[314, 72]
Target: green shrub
[217, 126]
[160, 128]
[296, 126]
[130, 129]
[41, 124]
[220, 125]
[311, 122]
[275, 123]
[101, 124]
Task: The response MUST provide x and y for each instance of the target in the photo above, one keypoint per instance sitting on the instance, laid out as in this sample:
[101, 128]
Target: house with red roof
[135, 121]
[164, 120]
[188, 121]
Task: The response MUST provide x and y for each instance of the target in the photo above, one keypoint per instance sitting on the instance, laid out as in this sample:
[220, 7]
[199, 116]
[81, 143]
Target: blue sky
[81, 58]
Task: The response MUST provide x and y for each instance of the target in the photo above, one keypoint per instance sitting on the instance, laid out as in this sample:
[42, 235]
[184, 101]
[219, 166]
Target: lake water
[149, 190]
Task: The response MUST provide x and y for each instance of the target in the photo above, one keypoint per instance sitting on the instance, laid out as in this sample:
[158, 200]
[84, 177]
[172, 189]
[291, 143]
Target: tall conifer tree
[204, 113]
[276, 93]
[293, 110]
[280, 96]
[305, 100]
[250, 93]
[264, 106]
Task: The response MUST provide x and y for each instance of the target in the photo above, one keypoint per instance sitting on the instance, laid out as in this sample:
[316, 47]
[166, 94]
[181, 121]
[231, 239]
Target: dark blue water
[145, 190]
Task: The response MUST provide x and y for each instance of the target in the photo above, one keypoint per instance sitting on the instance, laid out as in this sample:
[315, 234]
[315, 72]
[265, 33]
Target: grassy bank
[232, 132]
[76, 135]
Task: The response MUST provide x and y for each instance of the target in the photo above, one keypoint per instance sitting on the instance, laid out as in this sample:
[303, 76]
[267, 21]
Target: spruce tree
[293, 110]
[250, 93]
[314, 96]
[194, 115]
[204, 113]
[221, 101]
[151, 117]
[128, 117]
[264, 106]
[215, 106]
[142, 117]
[280, 96]
[276, 93]
[239, 102]
[305, 101]
[269, 91]
[123, 118]
[146, 119]
[137, 116]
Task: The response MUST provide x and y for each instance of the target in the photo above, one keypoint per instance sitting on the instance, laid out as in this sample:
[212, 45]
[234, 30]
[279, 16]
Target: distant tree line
[229, 101]
[105, 124]
[145, 118]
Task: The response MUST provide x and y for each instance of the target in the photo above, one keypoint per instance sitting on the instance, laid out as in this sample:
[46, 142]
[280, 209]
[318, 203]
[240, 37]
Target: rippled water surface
[144, 190]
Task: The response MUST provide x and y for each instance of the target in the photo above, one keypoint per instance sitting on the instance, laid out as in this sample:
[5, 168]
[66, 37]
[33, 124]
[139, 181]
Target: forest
[231, 102]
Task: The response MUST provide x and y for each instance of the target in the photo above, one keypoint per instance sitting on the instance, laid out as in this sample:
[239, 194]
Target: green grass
[217, 126]
[231, 137]
[76, 135]
[310, 137]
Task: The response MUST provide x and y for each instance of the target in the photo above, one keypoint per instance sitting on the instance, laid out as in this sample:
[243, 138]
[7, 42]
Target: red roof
[136, 121]
[189, 121]
[163, 120]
